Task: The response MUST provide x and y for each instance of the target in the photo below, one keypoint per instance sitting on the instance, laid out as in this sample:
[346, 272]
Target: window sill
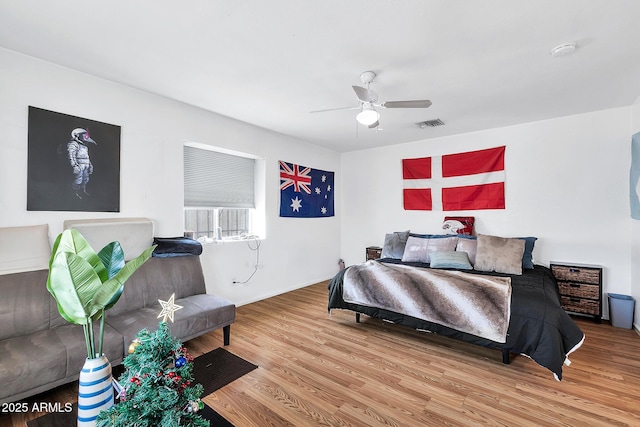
[209, 241]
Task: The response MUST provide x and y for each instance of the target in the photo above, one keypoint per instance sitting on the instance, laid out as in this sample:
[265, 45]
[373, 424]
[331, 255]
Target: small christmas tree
[156, 388]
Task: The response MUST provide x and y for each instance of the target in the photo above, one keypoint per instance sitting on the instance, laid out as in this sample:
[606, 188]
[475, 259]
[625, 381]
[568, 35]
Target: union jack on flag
[293, 176]
[305, 192]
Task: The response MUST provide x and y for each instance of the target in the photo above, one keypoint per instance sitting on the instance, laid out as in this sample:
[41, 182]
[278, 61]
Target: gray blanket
[479, 305]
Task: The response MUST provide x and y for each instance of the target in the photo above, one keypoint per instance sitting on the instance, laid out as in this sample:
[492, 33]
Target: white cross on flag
[463, 181]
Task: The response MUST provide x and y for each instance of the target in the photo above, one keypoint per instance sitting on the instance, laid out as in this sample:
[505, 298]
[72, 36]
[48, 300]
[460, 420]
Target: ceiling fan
[368, 101]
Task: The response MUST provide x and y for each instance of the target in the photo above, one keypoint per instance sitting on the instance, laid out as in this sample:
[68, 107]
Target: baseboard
[280, 292]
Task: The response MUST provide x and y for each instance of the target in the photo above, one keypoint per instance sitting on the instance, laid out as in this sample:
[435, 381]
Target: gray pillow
[394, 244]
[499, 254]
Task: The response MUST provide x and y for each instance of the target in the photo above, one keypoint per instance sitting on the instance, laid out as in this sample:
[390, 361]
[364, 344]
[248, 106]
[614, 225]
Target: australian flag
[305, 192]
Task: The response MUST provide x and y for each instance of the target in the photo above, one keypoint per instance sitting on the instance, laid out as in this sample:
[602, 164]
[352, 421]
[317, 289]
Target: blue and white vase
[95, 391]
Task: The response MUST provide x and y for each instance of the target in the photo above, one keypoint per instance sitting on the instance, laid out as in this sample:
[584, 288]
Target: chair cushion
[31, 361]
[24, 303]
[158, 278]
[72, 338]
[199, 314]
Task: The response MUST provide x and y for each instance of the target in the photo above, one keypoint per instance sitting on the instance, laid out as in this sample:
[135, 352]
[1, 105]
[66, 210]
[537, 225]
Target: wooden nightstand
[580, 288]
[373, 252]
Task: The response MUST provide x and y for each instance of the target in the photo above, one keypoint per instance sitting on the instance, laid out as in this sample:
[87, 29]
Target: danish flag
[462, 181]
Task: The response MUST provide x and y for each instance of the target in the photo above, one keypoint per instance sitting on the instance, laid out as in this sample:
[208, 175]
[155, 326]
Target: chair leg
[226, 332]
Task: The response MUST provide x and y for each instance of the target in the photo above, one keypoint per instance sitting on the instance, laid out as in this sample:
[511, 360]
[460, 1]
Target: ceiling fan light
[368, 115]
[563, 49]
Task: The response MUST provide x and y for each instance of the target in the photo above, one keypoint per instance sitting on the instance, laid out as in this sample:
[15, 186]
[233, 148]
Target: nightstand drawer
[373, 252]
[577, 273]
[579, 290]
[579, 305]
[580, 287]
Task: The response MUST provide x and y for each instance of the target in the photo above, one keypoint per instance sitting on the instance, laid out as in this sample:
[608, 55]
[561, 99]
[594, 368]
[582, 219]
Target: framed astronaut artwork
[73, 163]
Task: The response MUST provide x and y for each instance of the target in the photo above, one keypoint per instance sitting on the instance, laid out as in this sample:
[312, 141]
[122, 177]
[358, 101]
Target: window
[219, 196]
[205, 222]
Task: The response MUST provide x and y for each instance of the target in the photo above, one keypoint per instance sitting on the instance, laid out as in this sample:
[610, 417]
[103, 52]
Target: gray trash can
[621, 310]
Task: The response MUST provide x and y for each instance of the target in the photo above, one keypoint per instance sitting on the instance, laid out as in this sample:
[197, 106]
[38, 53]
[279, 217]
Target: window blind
[217, 180]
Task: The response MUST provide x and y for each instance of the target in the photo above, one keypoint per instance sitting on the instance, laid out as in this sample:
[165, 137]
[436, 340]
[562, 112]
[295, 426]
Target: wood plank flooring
[321, 370]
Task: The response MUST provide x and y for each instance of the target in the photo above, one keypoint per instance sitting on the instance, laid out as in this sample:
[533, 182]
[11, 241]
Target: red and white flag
[455, 182]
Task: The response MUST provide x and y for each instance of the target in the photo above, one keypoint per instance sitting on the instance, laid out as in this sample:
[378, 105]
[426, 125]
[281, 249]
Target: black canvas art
[73, 163]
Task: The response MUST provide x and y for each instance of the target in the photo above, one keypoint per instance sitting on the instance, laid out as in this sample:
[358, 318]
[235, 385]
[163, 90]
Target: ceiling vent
[430, 123]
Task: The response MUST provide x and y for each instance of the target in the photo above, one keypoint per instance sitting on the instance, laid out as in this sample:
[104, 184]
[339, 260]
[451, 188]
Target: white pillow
[469, 246]
[418, 249]
[24, 248]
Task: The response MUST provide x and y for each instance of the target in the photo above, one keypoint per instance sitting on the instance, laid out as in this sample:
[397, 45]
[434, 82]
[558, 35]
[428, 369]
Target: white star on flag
[168, 308]
[296, 204]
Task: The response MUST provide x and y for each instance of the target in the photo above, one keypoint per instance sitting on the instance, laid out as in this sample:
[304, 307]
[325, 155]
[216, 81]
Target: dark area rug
[213, 370]
[218, 368]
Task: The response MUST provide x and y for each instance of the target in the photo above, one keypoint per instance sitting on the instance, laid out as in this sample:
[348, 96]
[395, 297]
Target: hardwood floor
[316, 369]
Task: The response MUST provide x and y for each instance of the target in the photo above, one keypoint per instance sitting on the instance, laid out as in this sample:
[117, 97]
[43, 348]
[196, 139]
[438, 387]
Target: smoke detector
[430, 123]
[563, 49]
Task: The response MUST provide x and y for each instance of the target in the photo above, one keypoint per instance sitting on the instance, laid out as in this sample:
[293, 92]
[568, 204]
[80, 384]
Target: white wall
[566, 183]
[635, 230]
[295, 253]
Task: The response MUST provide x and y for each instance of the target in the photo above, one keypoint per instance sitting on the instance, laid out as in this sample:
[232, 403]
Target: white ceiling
[483, 64]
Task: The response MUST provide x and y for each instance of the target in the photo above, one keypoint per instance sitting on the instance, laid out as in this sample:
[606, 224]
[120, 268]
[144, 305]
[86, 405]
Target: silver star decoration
[168, 308]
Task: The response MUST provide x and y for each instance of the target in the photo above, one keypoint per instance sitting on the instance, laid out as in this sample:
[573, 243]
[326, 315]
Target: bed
[518, 310]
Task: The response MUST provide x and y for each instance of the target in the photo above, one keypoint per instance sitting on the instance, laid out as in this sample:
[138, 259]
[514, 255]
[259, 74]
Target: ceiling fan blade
[424, 103]
[361, 93]
[335, 109]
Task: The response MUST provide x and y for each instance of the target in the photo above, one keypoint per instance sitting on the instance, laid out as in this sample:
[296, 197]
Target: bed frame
[538, 326]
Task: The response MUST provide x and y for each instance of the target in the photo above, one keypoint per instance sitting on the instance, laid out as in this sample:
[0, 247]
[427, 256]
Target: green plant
[85, 284]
